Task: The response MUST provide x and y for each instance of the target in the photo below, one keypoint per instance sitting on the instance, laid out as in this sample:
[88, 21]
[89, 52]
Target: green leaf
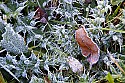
[1, 78]
[117, 10]
[110, 78]
[116, 2]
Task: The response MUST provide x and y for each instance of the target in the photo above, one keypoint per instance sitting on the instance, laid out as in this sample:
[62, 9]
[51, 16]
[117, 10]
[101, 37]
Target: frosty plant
[12, 41]
[58, 41]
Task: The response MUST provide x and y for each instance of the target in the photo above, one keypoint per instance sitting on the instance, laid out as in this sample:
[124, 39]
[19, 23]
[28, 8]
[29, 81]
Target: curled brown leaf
[88, 47]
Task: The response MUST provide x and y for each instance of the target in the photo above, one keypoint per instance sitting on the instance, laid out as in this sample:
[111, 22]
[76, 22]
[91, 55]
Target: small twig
[117, 17]
[116, 63]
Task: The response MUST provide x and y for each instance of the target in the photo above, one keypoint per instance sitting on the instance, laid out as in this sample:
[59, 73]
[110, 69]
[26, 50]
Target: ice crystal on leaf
[13, 42]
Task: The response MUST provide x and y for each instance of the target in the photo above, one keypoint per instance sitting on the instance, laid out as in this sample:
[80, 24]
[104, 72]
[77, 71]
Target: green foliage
[1, 78]
[116, 2]
[110, 78]
[36, 52]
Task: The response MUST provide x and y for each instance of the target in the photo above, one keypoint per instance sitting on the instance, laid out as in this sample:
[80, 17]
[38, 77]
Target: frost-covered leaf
[31, 14]
[23, 28]
[23, 57]
[68, 1]
[46, 67]
[20, 9]
[9, 57]
[33, 56]
[23, 3]
[75, 65]
[13, 42]
[34, 79]
[2, 23]
[4, 8]
[24, 74]
[30, 27]
[62, 66]
[27, 62]
[19, 28]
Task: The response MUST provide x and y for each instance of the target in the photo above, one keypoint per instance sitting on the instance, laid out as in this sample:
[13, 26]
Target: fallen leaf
[88, 47]
[75, 65]
[41, 15]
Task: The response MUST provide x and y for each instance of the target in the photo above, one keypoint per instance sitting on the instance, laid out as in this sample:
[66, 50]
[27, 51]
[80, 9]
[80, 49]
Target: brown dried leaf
[88, 47]
[41, 15]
